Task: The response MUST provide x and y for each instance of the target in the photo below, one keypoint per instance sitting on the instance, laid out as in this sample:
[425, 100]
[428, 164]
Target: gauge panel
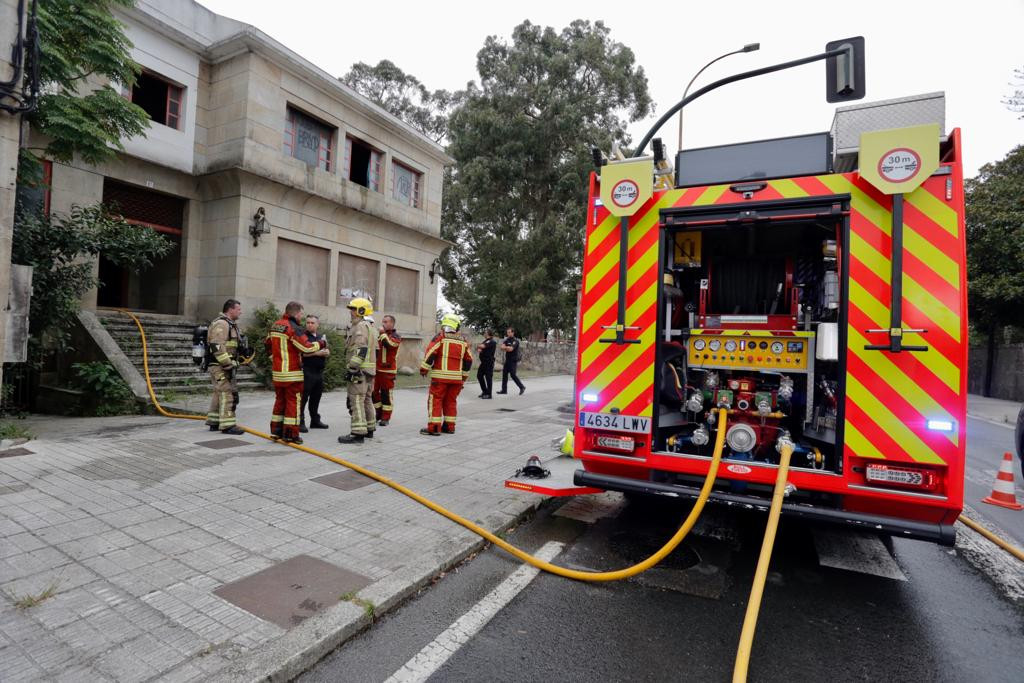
[753, 349]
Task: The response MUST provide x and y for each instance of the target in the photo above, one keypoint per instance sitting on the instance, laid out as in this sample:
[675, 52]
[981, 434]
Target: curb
[300, 648]
[983, 418]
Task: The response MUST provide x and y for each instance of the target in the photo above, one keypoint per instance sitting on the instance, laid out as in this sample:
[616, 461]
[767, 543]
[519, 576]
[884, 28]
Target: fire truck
[782, 281]
[813, 287]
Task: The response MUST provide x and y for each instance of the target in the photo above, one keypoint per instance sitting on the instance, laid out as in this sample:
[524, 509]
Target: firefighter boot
[233, 430]
[427, 432]
[351, 438]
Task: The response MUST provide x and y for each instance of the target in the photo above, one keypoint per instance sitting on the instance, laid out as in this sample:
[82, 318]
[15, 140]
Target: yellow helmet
[361, 305]
[451, 320]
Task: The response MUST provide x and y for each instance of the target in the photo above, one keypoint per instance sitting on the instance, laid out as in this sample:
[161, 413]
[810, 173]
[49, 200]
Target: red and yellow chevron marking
[889, 397]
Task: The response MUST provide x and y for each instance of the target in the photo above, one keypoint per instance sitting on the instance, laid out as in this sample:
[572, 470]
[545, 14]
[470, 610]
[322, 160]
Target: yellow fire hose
[760, 574]
[676, 539]
[739, 672]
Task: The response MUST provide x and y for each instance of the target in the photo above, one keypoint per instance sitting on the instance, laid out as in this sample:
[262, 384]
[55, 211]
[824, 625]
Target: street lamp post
[750, 47]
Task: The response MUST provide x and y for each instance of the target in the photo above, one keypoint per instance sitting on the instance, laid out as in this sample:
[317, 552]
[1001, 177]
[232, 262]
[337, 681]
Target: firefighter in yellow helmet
[361, 351]
[447, 360]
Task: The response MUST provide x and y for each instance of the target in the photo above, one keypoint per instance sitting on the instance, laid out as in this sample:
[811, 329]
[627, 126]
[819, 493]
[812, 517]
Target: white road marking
[434, 655]
[856, 552]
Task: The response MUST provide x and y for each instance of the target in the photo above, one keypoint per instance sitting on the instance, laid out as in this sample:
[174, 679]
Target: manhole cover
[11, 452]
[635, 547]
[290, 592]
[346, 480]
[218, 444]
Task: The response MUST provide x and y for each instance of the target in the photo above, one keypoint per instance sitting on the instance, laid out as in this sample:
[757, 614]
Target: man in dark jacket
[485, 373]
[313, 376]
[510, 345]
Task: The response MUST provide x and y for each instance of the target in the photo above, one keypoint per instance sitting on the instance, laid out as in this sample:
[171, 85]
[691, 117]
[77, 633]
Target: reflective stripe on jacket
[447, 358]
[387, 352]
[286, 347]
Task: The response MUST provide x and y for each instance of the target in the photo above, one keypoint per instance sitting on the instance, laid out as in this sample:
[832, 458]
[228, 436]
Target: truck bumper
[943, 534]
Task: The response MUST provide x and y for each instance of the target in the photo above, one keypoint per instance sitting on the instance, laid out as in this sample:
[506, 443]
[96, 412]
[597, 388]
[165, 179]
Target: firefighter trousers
[287, 399]
[442, 406]
[360, 405]
[384, 394]
[224, 399]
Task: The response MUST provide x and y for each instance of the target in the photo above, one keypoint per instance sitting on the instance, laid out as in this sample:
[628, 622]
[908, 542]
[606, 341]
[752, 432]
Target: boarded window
[357, 277]
[402, 290]
[302, 272]
[160, 99]
[406, 184]
[307, 139]
[363, 164]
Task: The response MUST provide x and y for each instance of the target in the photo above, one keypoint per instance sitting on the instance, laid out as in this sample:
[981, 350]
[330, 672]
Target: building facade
[248, 137]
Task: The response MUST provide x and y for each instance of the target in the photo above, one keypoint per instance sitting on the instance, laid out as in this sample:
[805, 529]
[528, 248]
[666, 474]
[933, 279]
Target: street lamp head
[752, 47]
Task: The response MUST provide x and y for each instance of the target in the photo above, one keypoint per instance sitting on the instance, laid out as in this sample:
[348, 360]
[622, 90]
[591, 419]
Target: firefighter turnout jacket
[447, 358]
[387, 352]
[285, 345]
[223, 340]
[362, 355]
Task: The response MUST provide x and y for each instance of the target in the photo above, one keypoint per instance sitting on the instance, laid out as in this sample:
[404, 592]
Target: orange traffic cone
[1002, 492]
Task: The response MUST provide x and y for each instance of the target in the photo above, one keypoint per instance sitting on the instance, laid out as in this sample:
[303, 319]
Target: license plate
[615, 422]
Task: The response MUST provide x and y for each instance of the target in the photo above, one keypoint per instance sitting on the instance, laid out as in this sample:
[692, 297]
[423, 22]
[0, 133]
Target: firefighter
[447, 360]
[387, 367]
[222, 339]
[285, 344]
[362, 366]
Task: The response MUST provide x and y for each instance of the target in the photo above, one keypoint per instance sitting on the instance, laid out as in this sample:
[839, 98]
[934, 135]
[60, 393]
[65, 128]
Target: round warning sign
[739, 469]
[625, 192]
[899, 165]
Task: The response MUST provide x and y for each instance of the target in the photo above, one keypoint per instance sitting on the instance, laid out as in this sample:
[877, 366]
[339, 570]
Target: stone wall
[1007, 371]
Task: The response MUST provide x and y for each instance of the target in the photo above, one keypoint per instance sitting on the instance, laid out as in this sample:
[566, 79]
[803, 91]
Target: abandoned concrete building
[274, 180]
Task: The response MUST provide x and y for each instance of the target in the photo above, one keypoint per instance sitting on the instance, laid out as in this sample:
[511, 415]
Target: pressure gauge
[699, 344]
[714, 344]
[730, 346]
[777, 347]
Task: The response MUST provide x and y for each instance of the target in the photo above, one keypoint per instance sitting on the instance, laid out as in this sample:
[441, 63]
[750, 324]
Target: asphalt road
[946, 622]
[986, 443]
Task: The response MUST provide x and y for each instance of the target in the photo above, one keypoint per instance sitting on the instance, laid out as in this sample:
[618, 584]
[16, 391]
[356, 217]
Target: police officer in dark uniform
[485, 373]
[510, 345]
[313, 376]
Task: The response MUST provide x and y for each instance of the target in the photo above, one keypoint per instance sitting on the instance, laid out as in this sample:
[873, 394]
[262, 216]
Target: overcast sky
[966, 49]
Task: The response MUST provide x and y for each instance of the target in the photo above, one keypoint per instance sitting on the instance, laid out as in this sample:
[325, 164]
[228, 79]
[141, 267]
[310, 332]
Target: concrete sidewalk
[993, 409]
[123, 540]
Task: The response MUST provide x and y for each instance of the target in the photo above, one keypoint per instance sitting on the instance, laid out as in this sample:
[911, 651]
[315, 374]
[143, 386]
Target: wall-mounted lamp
[435, 268]
[259, 226]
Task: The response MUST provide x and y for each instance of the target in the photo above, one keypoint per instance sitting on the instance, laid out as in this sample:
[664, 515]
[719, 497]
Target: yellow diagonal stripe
[787, 188]
[711, 195]
[858, 442]
[644, 263]
[934, 258]
[903, 385]
[643, 382]
[601, 232]
[933, 207]
[880, 415]
[878, 312]
[616, 367]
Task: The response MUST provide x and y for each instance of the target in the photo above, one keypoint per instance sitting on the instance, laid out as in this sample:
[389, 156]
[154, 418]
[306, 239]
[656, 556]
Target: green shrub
[111, 394]
[267, 315]
[9, 430]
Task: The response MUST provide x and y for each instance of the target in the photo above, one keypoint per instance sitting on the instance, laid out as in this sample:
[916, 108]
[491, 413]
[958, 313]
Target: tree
[515, 201]
[83, 50]
[995, 247]
[404, 96]
[1015, 102]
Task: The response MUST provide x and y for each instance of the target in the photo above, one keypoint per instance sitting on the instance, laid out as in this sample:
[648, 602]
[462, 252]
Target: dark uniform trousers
[485, 375]
[312, 390]
[509, 370]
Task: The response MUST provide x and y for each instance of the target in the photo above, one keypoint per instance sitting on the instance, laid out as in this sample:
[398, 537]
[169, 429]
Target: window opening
[160, 99]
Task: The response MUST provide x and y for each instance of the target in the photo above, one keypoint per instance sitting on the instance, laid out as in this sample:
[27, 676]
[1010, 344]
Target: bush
[110, 393]
[267, 315]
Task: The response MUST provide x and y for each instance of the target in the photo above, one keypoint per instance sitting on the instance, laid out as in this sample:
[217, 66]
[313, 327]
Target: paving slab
[124, 540]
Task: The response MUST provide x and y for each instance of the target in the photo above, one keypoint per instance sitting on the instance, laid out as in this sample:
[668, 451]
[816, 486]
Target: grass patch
[28, 601]
[9, 430]
[369, 609]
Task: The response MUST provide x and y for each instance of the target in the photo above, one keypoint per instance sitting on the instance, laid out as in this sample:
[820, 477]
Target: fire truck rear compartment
[749, 321]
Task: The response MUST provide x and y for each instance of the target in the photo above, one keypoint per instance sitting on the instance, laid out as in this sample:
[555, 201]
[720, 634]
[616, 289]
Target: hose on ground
[669, 546]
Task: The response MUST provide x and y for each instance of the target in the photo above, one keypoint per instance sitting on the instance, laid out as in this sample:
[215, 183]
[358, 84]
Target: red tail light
[905, 477]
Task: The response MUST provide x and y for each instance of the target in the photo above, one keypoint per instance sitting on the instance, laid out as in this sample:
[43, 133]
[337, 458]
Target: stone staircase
[169, 342]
